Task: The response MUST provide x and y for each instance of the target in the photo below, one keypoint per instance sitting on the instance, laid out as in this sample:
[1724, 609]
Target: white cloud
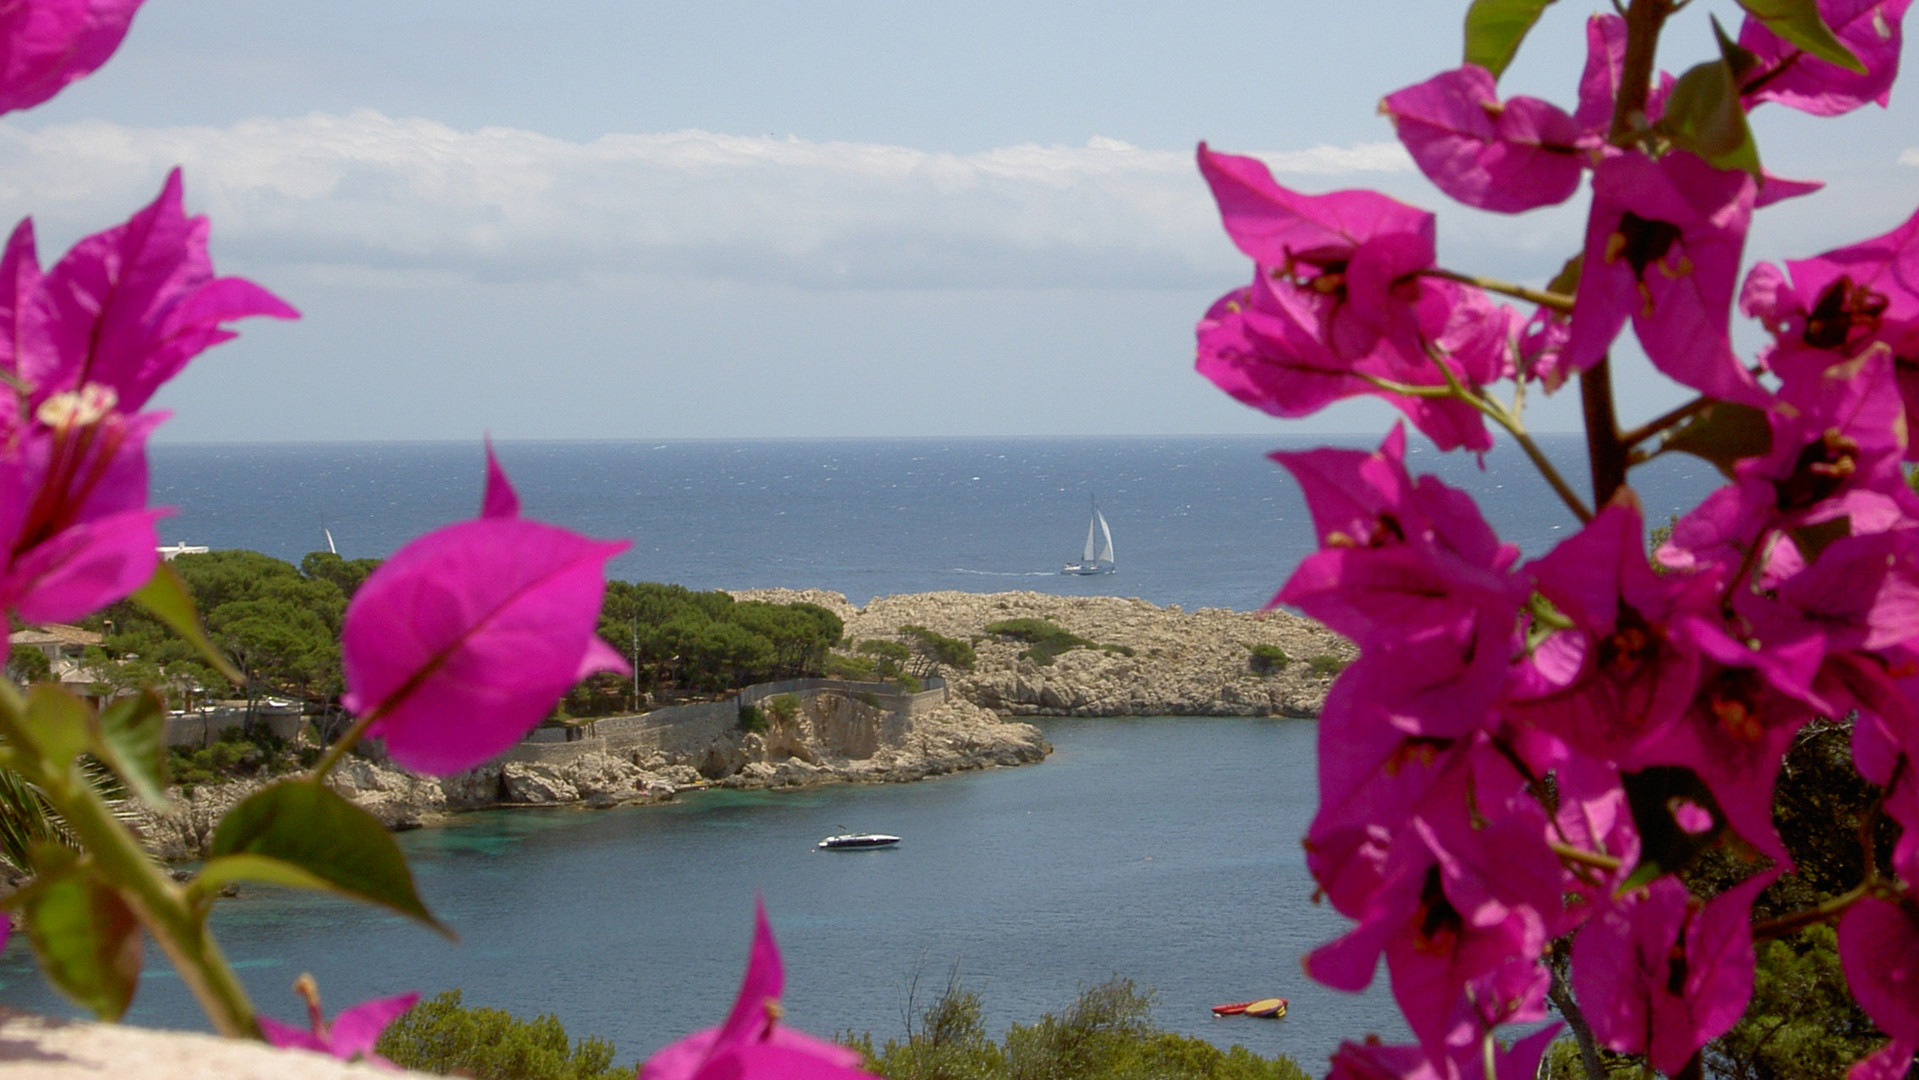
[1909, 156]
[368, 191]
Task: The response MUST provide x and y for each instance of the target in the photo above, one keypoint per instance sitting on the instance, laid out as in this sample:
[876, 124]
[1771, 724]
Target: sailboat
[1097, 558]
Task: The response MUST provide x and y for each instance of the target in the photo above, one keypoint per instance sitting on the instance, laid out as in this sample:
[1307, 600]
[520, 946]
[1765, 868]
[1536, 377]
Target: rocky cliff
[1144, 660]
[832, 738]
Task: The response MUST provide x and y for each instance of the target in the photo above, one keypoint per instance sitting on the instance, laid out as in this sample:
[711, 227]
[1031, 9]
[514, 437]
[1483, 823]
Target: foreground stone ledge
[34, 1047]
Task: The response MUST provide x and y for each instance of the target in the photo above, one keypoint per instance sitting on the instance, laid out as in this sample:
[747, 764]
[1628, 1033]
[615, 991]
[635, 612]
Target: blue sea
[1165, 850]
[1199, 522]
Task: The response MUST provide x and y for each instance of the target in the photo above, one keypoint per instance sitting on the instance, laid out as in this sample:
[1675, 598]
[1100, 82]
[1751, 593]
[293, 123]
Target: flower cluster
[1532, 751]
[453, 649]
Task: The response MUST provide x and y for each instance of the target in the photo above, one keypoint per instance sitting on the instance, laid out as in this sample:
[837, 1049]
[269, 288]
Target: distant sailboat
[1097, 558]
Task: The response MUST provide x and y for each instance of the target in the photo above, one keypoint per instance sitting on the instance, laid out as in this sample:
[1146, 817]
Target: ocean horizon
[1198, 521]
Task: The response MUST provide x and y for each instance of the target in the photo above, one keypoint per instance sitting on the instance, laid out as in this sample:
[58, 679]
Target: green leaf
[1566, 282]
[58, 724]
[1494, 29]
[217, 873]
[86, 937]
[319, 833]
[1704, 116]
[132, 740]
[1722, 434]
[166, 598]
[1798, 22]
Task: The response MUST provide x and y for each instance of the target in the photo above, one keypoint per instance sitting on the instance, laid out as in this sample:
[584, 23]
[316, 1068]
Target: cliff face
[1180, 663]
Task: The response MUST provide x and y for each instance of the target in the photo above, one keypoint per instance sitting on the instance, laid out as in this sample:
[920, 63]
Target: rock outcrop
[1154, 661]
[833, 738]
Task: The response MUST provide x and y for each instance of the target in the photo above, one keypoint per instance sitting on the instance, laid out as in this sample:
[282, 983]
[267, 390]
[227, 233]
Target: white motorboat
[1097, 558]
[857, 841]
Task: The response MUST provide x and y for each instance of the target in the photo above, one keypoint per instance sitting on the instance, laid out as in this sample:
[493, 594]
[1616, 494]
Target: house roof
[54, 634]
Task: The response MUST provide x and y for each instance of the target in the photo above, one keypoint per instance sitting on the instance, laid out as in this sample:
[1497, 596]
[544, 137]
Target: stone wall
[679, 731]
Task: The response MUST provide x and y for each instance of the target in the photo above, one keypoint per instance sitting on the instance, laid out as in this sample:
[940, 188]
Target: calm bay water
[1163, 850]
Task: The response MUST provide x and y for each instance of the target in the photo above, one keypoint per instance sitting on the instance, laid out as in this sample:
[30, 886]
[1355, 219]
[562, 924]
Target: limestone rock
[37, 1048]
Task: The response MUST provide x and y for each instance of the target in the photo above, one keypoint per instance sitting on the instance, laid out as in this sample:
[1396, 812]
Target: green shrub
[1325, 665]
[752, 718]
[443, 1037]
[1121, 650]
[1107, 1034]
[850, 668]
[782, 708]
[1044, 638]
[938, 650]
[1267, 659]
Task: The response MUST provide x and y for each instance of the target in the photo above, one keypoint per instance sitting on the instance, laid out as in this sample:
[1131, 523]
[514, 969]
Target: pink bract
[1790, 77]
[128, 307]
[462, 641]
[1663, 245]
[46, 44]
[1506, 156]
[751, 1045]
[1879, 949]
[1659, 974]
[351, 1035]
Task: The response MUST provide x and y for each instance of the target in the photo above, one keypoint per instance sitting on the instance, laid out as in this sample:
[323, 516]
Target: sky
[627, 219]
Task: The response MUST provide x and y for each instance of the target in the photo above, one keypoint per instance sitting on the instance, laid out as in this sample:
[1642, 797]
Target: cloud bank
[371, 192]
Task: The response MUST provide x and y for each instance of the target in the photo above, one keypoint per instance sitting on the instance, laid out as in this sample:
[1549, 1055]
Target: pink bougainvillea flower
[1618, 678]
[1464, 901]
[1879, 950]
[1659, 973]
[351, 1035]
[1791, 77]
[1662, 248]
[1374, 1060]
[1506, 156]
[1355, 248]
[1599, 83]
[46, 44]
[1339, 305]
[462, 641]
[1843, 303]
[752, 1045]
[128, 307]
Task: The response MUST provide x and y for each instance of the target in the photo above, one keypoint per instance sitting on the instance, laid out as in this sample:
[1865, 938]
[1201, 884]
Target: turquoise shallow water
[1165, 850]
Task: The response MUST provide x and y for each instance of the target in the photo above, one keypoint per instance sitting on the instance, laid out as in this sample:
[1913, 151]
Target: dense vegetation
[444, 1037]
[281, 625]
[1106, 1034]
[684, 643]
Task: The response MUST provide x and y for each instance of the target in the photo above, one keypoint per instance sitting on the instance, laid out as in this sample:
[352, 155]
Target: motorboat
[857, 841]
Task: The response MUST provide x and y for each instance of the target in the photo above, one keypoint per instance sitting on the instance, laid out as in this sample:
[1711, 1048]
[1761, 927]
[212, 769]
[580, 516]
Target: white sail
[1096, 557]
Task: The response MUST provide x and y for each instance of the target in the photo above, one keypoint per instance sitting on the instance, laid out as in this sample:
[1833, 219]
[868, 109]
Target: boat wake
[1002, 573]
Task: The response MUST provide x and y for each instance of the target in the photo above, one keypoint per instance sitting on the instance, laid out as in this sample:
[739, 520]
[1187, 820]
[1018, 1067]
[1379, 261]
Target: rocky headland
[834, 738]
[1142, 660]
[1136, 659]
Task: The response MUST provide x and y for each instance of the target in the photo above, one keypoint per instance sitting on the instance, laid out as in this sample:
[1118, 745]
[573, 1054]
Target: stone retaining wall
[689, 729]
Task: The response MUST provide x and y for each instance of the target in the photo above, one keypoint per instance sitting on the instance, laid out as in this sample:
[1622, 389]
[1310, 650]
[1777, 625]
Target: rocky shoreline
[812, 749]
[1142, 660]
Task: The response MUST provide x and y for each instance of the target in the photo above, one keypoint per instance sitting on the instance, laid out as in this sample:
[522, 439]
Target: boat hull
[858, 842]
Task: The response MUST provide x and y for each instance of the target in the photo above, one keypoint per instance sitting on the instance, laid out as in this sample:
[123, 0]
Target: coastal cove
[1161, 849]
